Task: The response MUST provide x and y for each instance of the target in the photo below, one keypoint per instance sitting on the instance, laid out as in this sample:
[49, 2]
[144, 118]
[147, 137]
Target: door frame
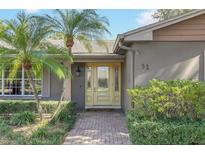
[111, 76]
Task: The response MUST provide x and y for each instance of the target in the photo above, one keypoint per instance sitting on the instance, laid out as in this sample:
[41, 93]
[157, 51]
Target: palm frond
[61, 71]
[83, 25]
[15, 66]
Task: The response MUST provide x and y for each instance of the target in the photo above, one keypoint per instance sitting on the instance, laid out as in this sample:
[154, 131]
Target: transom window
[19, 86]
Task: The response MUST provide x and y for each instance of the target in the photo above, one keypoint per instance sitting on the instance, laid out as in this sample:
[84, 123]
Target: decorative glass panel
[116, 78]
[89, 74]
[103, 77]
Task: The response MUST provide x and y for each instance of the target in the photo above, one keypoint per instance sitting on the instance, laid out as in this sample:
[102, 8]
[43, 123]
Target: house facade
[171, 49]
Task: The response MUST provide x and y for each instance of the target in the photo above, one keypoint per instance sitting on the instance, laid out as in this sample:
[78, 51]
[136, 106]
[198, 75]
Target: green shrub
[165, 132]
[14, 106]
[66, 113]
[22, 118]
[178, 99]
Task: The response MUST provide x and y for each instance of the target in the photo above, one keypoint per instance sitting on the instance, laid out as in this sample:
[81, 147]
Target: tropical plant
[25, 45]
[72, 25]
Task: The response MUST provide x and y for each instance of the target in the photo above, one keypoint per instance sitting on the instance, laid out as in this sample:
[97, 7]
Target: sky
[120, 20]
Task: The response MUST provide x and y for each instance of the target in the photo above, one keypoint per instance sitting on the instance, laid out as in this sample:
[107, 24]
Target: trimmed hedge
[14, 106]
[168, 112]
[177, 99]
[165, 132]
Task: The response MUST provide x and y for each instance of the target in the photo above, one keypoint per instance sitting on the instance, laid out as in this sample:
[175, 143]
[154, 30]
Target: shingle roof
[80, 48]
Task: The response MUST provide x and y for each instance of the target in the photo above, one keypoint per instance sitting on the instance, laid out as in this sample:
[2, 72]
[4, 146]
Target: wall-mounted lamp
[78, 71]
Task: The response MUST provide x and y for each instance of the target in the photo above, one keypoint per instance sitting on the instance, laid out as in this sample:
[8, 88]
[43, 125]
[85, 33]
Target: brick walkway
[99, 127]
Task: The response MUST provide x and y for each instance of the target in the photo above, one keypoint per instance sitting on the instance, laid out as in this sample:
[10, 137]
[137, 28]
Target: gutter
[121, 46]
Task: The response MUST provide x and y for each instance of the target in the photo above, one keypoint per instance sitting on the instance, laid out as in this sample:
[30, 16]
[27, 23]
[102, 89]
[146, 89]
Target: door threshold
[102, 107]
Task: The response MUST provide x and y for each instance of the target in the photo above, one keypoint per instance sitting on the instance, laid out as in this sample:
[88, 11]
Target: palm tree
[84, 25]
[26, 47]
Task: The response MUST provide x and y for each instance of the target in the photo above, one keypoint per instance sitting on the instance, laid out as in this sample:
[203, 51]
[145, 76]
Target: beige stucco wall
[166, 61]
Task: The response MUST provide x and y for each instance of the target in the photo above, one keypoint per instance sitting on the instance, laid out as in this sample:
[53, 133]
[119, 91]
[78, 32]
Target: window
[103, 77]
[116, 78]
[19, 86]
[89, 74]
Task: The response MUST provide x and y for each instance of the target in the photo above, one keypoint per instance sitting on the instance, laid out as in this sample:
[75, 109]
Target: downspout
[135, 52]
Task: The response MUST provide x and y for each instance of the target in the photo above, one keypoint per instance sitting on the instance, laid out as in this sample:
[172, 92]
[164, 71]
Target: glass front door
[103, 84]
[102, 89]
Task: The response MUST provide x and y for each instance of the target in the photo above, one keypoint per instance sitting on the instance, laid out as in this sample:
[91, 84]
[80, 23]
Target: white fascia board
[141, 36]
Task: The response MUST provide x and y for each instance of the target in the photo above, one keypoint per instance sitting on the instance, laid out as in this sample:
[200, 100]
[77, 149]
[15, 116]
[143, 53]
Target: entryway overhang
[98, 57]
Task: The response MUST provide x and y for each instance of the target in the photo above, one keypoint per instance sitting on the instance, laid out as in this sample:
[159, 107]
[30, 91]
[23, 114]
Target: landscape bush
[22, 118]
[14, 106]
[66, 113]
[145, 131]
[168, 112]
[183, 99]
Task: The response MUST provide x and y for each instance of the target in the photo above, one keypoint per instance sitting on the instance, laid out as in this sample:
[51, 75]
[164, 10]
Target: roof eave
[119, 38]
[167, 22]
[157, 25]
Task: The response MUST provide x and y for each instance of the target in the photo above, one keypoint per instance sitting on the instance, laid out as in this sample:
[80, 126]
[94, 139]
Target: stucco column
[129, 77]
[67, 82]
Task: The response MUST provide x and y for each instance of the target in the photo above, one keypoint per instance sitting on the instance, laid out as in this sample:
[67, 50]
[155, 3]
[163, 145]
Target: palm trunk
[33, 87]
[63, 92]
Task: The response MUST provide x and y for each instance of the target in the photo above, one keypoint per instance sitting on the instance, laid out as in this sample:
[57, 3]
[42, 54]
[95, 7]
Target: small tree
[26, 47]
[164, 14]
[84, 25]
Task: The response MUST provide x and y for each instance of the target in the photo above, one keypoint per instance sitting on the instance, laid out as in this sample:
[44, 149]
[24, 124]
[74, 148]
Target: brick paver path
[99, 127]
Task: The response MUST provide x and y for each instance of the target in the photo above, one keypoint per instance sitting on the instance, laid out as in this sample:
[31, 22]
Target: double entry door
[103, 85]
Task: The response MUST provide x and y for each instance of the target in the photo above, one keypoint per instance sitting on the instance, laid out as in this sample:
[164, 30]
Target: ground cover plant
[26, 128]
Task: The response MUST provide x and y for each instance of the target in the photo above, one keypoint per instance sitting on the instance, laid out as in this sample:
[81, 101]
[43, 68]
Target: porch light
[78, 71]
